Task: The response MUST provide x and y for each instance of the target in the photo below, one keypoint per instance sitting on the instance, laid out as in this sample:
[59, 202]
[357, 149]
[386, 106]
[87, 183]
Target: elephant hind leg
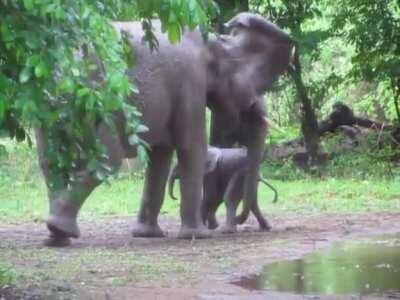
[212, 200]
[153, 194]
[232, 197]
[263, 223]
[212, 208]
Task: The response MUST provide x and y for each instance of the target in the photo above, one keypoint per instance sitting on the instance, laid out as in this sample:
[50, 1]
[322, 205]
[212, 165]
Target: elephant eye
[235, 31]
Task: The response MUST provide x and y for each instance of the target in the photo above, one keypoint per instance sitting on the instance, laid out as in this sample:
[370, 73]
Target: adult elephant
[175, 83]
[254, 54]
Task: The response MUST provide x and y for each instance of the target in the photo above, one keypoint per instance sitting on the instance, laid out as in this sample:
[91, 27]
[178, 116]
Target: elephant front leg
[64, 207]
[66, 200]
[191, 168]
[153, 194]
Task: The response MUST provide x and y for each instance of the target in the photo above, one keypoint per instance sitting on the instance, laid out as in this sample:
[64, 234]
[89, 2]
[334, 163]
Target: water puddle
[362, 267]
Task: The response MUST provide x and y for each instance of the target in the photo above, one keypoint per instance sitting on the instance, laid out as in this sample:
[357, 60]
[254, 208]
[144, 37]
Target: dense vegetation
[49, 50]
[349, 51]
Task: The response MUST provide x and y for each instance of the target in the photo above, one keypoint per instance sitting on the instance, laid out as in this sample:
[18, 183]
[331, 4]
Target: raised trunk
[228, 8]
[218, 136]
[255, 151]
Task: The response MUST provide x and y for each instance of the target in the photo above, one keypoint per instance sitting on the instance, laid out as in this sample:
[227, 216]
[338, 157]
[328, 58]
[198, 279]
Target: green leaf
[67, 85]
[25, 75]
[28, 4]
[142, 154]
[2, 107]
[133, 140]
[141, 128]
[174, 32]
[83, 92]
[32, 40]
[6, 34]
[33, 60]
[133, 88]
[101, 175]
[41, 69]
[75, 72]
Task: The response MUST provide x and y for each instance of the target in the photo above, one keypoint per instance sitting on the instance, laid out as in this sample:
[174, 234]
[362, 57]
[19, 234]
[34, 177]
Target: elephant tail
[171, 182]
[271, 187]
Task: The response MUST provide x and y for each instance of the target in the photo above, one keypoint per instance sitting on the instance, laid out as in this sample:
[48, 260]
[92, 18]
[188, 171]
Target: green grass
[122, 197]
[23, 193]
[112, 266]
[333, 195]
[6, 276]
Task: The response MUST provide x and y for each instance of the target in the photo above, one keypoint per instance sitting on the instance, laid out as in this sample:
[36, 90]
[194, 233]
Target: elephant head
[242, 66]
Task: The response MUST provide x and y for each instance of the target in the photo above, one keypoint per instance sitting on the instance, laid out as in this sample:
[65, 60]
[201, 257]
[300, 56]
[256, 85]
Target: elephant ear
[213, 155]
[256, 23]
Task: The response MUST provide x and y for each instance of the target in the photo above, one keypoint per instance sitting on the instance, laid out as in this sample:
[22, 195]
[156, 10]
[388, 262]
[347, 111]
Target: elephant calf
[224, 180]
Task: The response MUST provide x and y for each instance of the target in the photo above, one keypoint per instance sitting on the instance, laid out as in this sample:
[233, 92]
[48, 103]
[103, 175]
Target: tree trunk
[396, 91]
[309, 123]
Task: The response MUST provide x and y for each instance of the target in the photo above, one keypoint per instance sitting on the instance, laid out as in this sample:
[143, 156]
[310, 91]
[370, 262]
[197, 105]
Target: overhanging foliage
[49, 53]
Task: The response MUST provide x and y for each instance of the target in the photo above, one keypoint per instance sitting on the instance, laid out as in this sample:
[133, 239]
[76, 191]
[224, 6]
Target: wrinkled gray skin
[175, 83]
[255, 53]
[223, 181]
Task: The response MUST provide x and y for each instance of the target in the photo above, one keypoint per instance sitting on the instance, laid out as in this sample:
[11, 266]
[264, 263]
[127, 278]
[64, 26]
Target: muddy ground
[106, 263]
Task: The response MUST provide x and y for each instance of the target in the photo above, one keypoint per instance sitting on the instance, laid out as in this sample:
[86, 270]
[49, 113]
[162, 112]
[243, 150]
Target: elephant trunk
[271, 187]
[250, 194]
[171, 181]
[255, 152]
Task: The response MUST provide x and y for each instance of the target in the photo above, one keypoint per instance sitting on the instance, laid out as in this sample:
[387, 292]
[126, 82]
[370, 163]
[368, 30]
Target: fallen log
[341, 120]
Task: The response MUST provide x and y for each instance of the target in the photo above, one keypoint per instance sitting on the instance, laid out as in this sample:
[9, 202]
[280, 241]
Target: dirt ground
[106, 263]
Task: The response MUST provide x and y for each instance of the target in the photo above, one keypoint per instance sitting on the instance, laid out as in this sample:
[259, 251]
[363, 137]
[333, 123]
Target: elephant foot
[145, 230]
[188, 233]
[62, 219]
[212, 225]
[57, 241]
[63, 226]
[241, 218]
[228, 229]
[57, 238]
[264, 226]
